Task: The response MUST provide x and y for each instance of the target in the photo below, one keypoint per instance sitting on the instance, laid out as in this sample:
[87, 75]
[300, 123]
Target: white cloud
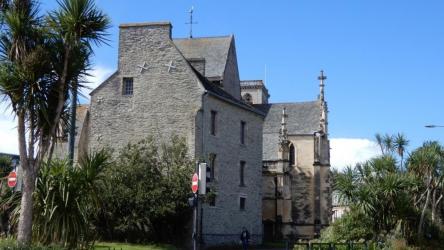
[8, 131]
[97, 75]
[349, 151]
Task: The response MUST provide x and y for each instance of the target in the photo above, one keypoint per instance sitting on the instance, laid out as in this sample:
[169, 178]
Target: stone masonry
[188, 86]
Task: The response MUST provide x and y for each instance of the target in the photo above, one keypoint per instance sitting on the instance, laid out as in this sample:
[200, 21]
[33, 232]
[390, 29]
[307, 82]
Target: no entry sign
[195, 183]
[12, 179]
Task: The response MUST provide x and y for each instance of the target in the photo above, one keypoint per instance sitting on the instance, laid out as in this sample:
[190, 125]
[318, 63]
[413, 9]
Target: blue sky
[383, 59]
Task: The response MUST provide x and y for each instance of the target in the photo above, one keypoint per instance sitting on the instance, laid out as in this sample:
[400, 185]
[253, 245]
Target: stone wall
[163, 103]
[224, 221]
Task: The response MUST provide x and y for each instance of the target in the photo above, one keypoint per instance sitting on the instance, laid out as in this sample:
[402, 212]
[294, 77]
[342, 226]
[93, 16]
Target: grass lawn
[124, 246]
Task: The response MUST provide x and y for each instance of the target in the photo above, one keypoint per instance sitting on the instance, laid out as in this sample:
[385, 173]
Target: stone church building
[269, 162]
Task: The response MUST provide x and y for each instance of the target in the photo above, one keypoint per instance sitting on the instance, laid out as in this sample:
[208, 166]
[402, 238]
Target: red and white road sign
[195, 183]
[12, 179]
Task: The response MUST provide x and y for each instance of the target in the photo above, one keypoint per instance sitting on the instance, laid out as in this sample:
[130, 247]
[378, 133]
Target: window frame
[292, 155]
[242, 205]
[212, 201]
[243, 128]
[213, 120]
[126, 91]
[212, 159]
[242, 165]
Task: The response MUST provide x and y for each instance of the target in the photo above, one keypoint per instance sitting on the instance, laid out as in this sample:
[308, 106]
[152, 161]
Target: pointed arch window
[292, 155]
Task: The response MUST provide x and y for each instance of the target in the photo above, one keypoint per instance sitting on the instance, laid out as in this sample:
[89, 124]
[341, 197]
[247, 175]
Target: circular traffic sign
[195, 183]
[12, 179]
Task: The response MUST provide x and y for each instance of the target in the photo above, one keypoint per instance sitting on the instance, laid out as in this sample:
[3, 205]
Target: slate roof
[218, 92]
[303, 119]
[213, 49]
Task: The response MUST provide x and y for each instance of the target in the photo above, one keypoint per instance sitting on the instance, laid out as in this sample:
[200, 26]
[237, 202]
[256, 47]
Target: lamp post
[434, 126]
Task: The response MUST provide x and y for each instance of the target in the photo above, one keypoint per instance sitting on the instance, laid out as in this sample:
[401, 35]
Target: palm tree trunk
[421, 221]
[434, 205]
[61, 93]
[24, 233]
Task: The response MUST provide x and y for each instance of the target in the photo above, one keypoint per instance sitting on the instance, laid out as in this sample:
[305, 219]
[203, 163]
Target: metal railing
[331, 246]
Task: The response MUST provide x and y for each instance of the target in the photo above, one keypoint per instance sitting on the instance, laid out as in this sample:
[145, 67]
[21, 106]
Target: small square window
[242, 201]
[127, 86]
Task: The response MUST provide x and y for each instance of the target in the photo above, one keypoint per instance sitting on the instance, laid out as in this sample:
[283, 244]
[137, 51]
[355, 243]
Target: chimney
[137, 41]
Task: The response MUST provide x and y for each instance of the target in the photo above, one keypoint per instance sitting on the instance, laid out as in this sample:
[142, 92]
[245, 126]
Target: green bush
[65, 199]
[352, 226]
[145, 196]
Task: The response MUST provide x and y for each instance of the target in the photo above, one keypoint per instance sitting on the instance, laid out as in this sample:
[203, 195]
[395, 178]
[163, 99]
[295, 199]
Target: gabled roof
[222, 94]
[213, 49]
[303, 119]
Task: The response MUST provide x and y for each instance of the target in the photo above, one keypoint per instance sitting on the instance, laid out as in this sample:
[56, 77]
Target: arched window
[247, 98]
[292, 155]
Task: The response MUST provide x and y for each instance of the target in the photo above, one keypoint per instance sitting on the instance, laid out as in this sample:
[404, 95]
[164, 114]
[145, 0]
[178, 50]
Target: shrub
[145, 196]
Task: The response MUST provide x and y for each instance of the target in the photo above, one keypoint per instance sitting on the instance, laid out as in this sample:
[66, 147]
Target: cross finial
[321, 78]
[191, 21]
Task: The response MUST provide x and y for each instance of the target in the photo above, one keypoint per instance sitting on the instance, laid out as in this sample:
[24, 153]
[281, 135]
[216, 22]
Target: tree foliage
[400, 202]
[65, 200]
[377, 189]
[146, 193]
[41, 59]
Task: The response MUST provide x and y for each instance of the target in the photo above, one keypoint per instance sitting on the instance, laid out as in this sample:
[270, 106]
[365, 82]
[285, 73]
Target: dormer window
[218, 83]
[127, 88]
[247, 98]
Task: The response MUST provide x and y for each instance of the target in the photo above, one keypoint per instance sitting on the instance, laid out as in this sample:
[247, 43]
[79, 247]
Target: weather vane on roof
[191, 21]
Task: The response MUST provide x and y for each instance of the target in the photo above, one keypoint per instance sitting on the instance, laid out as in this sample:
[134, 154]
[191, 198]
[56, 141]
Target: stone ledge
[161, 23]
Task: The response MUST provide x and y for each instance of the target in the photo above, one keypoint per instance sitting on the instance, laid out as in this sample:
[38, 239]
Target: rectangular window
[211, 198]
[212, 166]
[241, 173]
[242, 132]
[127, 86]
[213, 122]
[242, 201]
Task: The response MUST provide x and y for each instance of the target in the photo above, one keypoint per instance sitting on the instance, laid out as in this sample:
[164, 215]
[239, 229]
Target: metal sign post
[196, 206]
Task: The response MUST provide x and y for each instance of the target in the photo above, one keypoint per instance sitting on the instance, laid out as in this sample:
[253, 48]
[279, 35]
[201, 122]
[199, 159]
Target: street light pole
[434, 126]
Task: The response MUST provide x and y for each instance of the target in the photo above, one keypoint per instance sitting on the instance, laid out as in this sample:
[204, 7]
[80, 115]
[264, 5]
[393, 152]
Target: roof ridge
[302, 102]
[203, 37]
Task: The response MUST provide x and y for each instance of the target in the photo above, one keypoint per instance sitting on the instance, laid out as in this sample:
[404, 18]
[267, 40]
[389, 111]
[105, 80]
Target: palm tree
[23, 74]
[400, 143]
[427, 164]
[379, 141]
[77, 24]
[388, 143]
[37, 70]
[378, 191]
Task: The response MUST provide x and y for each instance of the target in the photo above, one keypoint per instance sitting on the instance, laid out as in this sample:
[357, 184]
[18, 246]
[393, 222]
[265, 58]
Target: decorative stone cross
[170, 66]
[143, 67]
